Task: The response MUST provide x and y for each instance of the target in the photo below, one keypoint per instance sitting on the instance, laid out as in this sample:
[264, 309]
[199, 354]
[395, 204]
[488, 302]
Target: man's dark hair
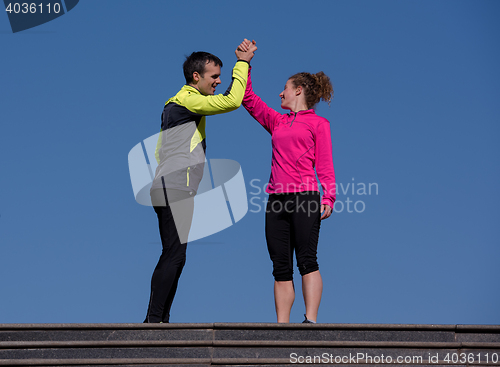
[196, 62]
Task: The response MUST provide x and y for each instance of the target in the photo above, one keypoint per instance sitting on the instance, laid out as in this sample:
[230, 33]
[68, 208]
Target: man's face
[210, 79]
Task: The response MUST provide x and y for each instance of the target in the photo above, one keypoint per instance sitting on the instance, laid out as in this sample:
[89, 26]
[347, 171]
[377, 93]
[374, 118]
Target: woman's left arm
[324, 166]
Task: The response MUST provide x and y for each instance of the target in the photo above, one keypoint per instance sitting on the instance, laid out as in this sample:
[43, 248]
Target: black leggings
[292, 223]
[174, 219]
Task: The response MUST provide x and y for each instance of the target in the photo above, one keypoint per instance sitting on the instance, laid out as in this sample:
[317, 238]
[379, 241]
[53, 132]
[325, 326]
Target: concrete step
[248, 344]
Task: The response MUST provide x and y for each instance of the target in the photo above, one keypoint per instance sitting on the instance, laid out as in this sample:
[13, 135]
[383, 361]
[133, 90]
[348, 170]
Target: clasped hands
[246, 50]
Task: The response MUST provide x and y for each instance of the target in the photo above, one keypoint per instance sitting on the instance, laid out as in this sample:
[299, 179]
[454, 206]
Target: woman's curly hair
[316, 87]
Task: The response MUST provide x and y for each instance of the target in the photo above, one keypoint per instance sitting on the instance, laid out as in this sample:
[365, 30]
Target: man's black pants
[174, 209]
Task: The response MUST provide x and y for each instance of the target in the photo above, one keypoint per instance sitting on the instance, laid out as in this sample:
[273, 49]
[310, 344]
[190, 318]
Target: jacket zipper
[293, 119]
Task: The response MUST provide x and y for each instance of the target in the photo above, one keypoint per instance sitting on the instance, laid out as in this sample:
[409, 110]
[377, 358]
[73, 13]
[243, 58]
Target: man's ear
[196, 77]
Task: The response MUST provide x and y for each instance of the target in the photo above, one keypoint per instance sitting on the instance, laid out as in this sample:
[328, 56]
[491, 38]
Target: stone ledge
[231, 344]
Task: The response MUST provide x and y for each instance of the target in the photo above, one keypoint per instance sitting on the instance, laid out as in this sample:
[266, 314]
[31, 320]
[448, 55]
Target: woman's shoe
[307, 321]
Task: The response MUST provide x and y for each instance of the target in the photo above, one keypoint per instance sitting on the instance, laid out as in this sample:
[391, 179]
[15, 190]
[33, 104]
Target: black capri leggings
[292, 224]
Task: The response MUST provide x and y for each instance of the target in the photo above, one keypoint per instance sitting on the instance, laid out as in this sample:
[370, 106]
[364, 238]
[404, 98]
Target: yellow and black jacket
[180, 151]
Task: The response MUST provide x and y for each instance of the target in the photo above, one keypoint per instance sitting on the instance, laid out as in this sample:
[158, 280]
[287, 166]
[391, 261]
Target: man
[180, 153]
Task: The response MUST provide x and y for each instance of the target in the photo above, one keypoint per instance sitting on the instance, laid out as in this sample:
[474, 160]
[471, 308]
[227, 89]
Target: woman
[301, 143]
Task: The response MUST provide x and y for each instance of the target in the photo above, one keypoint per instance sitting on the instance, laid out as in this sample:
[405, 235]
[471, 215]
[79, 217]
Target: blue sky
[415, 112]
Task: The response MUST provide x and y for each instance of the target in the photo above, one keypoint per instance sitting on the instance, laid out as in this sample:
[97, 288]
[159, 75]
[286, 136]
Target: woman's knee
[283, 274]
[308, 267]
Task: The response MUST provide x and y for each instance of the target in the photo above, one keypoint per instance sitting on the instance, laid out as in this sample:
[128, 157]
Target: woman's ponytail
[316, 87]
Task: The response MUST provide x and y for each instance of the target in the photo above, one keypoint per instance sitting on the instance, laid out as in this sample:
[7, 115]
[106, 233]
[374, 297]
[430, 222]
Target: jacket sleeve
[220, 103]
[265, 115]
[324, 163]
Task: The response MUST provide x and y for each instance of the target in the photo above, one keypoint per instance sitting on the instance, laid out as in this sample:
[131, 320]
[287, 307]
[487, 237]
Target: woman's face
[288, 96]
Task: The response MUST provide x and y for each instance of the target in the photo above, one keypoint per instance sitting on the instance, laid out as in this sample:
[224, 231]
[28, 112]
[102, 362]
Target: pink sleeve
[265, 115]
[324, 163]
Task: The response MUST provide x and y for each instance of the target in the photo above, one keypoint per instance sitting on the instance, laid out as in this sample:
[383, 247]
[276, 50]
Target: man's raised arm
[232, 98]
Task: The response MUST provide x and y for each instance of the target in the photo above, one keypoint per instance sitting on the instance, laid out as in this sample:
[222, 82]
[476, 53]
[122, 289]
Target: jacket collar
[190, 88]
[302, 112]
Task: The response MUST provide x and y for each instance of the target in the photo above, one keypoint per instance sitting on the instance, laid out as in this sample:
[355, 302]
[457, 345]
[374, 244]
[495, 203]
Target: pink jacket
[301, 142]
